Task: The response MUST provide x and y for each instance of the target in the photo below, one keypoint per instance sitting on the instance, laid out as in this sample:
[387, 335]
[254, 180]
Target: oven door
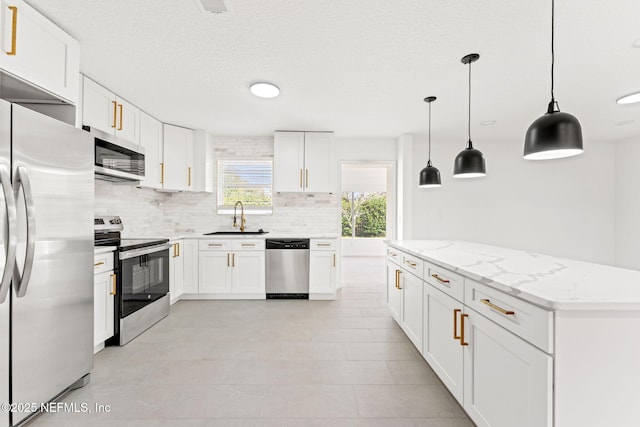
[144, 277]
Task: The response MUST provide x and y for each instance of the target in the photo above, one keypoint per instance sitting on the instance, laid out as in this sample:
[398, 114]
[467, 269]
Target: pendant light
[430, 175]
[469, 163]
[556, 134]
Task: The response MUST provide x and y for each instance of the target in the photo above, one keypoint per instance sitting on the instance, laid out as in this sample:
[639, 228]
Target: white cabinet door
[288, 162]
[190, 260]
[320, 163]
[99, 107]
[103, 305]
[508, 382]
[176, 271]
[394, 294]
[178, 145]
[37, 51]
[440, 347]
[151, 141]
[248, 271]
[214, 272]
[412, 308]
[128, 121]
[322, 272]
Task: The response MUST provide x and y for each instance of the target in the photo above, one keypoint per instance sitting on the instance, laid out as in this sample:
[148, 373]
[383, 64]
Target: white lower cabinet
[411, 287]
[507, 381]
[104, 291]
[394, 293]
[190, 268]
[322, 268]
[500, 379]
[441, 348]
[232, 269]
[176, 271]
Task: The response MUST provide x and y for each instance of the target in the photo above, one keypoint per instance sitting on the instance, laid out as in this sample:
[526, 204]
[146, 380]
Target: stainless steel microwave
[115, 159]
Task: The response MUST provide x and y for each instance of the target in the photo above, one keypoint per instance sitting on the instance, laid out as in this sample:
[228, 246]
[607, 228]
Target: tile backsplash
[148, 213]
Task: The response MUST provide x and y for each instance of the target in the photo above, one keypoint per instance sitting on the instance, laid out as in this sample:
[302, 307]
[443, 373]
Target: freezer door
[5, 155]
[52, 297]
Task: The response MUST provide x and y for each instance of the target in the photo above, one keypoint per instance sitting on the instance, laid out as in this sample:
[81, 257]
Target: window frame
[248, 209]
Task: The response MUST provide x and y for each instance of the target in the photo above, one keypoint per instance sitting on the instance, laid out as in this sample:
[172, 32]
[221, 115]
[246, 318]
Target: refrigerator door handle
[22, 180]
[12, 239]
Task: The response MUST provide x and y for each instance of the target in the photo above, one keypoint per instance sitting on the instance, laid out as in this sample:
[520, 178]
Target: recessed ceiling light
[629, 99]
[488, 123]
[265, 90]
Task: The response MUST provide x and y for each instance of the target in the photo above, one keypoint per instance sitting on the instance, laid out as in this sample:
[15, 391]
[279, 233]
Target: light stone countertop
[97, 250]
[275, 235]
[552, 282]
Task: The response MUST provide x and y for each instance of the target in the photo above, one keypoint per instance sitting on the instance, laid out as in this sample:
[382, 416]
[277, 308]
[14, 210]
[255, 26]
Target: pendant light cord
[429, 161]
[469, 116]
[553, 8]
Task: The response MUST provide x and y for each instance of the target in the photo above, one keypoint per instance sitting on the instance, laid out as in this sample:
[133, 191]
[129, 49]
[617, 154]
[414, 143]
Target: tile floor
[267, 363]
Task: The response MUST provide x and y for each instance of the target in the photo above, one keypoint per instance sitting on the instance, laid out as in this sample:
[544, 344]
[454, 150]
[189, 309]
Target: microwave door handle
[12, 239]
[22, 180]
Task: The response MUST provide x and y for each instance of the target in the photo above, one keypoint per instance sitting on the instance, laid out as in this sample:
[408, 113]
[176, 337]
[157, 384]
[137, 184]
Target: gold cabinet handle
[306, 180]
[14, 28]
[179, 249]
[175, 250]
[399, 273]
[397, 278]
[115, 113]
[462, 341]
[248, 245]
[113, 284]
[120, 109]
[323, 244]
[189, 176]
[393, 254]
[215, 245]
[410, 264]
[456, 311]
[498, 308]
[228, 258]
[233, 260]
[440, 279]
[98, 264]
[161, 173]
[301, 178]
[334, 260]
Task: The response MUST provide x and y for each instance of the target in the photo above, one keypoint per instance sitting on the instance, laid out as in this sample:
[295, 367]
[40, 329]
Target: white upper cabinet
[151, 141]
[304, 162]
[177, 157]
[104, 110]
[203, 162]
[37, 51]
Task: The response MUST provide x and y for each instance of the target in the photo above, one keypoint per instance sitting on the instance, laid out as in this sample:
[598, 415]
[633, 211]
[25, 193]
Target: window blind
[248, 181]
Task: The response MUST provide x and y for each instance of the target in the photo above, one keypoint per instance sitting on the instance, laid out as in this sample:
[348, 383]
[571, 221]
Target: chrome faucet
[243, 221]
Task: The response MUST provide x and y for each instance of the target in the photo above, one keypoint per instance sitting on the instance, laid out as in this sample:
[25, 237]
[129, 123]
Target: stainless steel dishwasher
[287, 268]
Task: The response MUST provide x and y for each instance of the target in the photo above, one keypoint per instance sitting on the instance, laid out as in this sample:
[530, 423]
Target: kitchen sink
[261, 231]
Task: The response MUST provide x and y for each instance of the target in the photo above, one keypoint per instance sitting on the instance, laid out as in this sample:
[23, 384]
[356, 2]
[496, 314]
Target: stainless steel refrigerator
[46, 300]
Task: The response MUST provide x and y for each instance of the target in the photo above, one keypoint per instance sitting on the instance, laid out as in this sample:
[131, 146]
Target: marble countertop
[97, 250]
[552, 282]
[275, 235]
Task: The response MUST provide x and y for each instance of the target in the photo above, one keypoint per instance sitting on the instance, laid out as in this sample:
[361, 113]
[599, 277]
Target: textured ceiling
[362, 67]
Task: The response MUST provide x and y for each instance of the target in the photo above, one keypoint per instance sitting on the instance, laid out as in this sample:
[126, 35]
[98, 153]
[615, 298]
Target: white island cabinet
[519, 338]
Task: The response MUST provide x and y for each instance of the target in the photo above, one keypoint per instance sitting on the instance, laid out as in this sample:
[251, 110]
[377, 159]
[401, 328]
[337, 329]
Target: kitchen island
[521, 338]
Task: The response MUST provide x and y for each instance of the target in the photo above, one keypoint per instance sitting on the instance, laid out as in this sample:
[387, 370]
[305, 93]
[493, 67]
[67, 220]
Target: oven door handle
[143, 251]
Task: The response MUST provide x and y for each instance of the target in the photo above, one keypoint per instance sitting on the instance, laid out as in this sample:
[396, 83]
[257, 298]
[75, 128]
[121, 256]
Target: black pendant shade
[556, 134]
[553, 136]
[469, 163]
[429, 175]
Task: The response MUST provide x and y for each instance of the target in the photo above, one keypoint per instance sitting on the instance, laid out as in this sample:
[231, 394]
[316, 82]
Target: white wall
[627, 193]
[561, 207]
